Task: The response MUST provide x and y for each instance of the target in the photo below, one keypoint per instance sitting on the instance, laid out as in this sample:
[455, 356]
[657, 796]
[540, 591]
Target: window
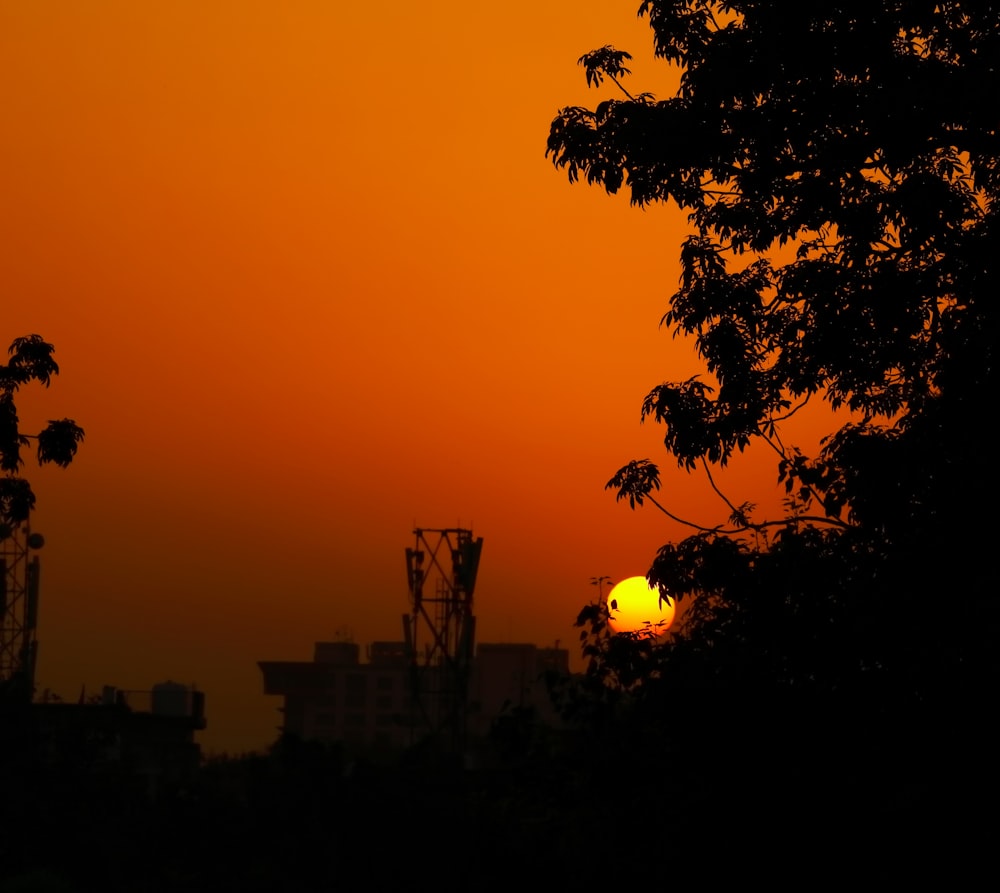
[356, 685]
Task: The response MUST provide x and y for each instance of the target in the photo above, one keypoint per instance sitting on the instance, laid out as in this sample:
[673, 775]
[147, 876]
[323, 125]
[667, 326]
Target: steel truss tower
[18, 612]
[440, 629]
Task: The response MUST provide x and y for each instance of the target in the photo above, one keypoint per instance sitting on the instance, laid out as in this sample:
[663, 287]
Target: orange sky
[311, 282]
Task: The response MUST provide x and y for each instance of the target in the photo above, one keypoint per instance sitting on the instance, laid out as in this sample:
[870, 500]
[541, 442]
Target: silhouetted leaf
[30, 360]
[58, 442]
[841, 173]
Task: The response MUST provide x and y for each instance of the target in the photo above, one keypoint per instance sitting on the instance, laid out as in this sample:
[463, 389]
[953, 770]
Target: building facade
[337, 697]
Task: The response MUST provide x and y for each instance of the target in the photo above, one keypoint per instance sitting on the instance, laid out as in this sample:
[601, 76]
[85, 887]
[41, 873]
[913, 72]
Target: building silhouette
[337, 697]
[146, 736]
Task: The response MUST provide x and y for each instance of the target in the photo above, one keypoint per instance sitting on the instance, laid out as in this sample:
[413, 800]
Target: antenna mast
[19, 574]
[440, 629]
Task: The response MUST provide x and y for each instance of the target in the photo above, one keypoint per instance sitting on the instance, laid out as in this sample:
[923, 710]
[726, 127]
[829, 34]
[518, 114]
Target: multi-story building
[336, 697]
[148, 736]
[507, 675]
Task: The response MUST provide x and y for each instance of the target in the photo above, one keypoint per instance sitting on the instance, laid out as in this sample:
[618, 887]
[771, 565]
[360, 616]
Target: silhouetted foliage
[840, 166]
[30, 360]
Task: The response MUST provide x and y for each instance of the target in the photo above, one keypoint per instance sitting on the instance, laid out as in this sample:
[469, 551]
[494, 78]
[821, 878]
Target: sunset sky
[311, 283]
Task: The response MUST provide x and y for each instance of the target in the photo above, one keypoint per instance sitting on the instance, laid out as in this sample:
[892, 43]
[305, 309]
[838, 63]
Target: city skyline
[312, 283]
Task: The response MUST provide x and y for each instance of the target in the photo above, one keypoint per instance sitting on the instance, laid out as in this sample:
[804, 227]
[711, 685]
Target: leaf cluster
[30, 360]
[854, 130]
[840, 170]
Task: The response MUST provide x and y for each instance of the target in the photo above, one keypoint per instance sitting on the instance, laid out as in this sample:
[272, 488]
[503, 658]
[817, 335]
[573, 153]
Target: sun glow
[633, 603]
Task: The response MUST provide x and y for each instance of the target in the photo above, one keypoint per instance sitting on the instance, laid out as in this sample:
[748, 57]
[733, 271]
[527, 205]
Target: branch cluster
[840, 169]
[30, 360]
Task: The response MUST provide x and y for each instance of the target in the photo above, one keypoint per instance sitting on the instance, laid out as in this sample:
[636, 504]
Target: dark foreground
[793, 795]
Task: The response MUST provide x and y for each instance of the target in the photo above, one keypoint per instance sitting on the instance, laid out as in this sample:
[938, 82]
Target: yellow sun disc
[633, 602]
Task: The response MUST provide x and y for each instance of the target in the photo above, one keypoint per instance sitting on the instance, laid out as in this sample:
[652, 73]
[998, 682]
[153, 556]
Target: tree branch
[720, 529]
[620, 87]
[720, 494]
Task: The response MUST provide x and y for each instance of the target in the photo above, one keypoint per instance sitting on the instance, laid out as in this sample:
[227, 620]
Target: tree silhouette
[30, 360]
[840, 166]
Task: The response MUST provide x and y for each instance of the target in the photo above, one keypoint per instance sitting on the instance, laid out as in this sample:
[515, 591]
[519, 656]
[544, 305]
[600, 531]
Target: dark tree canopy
[840, 164]
[30, 360]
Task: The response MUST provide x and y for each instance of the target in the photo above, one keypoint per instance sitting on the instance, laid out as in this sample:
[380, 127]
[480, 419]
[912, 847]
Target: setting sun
[633, 603]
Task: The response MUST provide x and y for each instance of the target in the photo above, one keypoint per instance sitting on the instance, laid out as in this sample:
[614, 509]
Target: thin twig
[720, 529]
[620, 87]
[711, 480]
